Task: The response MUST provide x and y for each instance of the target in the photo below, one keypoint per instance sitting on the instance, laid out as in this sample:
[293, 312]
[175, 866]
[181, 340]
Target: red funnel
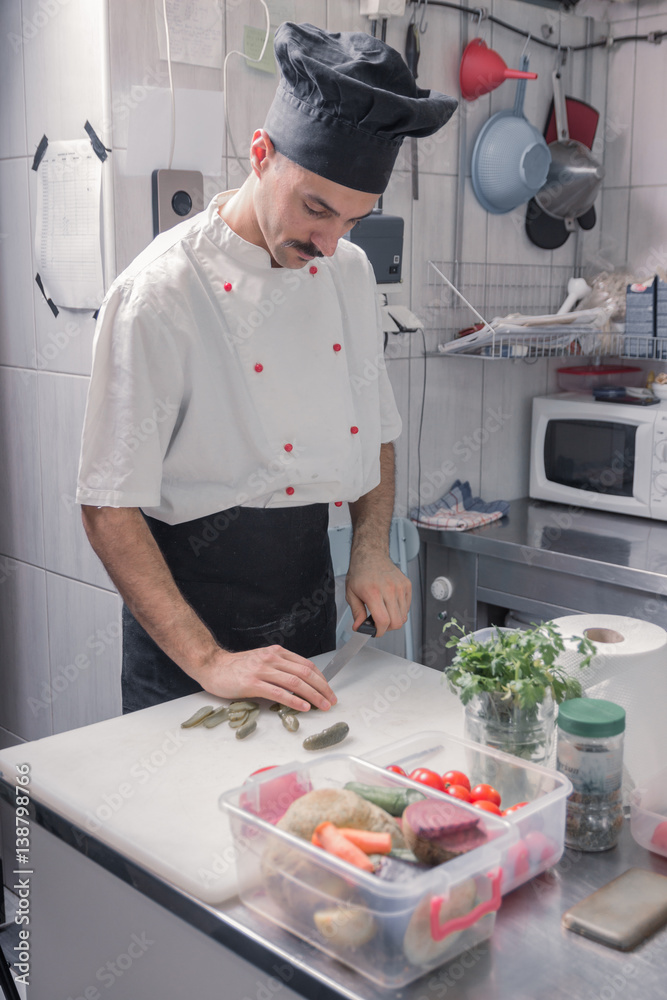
[483, 70]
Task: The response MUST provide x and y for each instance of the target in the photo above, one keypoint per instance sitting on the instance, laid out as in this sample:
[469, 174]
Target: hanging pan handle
[521, 88]
[560, 107]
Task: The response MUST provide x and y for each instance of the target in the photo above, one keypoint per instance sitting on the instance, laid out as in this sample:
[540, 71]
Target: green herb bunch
[518, 666]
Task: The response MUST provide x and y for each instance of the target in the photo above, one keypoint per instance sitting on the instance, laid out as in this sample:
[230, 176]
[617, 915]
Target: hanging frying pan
[544, 230]
[510, 159]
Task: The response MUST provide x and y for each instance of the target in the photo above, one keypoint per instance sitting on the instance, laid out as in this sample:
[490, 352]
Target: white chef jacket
[219, 380]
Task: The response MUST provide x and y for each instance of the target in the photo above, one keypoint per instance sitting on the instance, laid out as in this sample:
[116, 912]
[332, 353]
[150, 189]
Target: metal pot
[574, 176]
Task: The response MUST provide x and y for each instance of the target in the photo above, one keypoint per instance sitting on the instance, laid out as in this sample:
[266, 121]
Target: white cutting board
[150, 789]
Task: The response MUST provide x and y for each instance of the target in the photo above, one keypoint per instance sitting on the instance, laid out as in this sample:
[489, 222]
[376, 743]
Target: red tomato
[488, 806]
[486, 792]
[659, 838]
[427, 777]
[456, 778]
[458, 792]
[513, 809]
[397, 769]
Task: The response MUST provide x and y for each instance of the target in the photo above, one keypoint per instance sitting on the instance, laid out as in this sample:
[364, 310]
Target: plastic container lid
[591, 717]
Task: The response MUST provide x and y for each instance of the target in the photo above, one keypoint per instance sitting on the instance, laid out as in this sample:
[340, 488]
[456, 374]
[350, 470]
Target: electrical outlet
[177, 195]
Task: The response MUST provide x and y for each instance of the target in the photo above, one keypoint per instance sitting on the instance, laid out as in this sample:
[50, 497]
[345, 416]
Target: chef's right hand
[269, 672]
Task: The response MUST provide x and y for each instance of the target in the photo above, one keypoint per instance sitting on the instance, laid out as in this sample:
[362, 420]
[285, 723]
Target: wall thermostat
[177, 195]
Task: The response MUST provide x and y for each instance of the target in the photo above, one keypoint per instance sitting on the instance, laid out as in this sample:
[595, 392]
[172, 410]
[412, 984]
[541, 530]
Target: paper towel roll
[630, 669]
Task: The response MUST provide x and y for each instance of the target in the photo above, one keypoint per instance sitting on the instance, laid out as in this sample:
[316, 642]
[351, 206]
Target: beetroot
[439, 831]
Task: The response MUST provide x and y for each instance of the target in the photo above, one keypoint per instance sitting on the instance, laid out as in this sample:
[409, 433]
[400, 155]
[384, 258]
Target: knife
[350, 649]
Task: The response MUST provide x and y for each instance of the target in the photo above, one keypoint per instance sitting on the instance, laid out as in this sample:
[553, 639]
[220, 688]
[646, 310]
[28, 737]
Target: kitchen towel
[458, 510]
[630, 669]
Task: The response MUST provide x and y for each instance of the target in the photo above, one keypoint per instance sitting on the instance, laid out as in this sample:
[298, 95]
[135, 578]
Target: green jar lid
[591, 717]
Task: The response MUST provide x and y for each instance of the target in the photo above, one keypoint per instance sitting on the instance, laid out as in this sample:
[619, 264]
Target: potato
[340, 807]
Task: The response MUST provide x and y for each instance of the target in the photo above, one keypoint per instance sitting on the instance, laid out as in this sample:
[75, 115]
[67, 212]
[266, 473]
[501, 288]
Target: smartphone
[622, 913]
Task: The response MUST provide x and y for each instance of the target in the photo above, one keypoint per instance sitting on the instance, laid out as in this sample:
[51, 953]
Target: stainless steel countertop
[613, 548]
[529, 956]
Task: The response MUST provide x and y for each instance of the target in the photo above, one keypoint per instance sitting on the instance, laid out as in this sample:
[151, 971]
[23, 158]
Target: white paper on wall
[195, 31]
[199, 132]
[68, 247]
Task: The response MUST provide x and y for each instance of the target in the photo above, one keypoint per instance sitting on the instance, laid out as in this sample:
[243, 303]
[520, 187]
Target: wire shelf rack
[496, 290]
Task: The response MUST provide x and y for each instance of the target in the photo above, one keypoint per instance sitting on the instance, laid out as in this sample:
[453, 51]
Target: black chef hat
[345, 103]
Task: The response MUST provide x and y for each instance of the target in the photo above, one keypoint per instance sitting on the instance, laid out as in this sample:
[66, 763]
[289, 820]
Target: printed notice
[195, 32]
[67, 234]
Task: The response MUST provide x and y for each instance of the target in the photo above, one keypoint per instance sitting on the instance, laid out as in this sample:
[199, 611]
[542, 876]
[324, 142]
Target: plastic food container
[585, 378]
[539, 827]
[390, 931]
[648, 814]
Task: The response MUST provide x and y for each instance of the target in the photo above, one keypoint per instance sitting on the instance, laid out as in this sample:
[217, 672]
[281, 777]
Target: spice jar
[590, 754]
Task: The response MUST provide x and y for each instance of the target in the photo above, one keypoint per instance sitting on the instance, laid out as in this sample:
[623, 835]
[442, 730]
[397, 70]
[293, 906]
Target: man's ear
[261, 151]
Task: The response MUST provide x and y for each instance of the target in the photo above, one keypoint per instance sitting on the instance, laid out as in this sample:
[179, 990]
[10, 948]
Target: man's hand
[122, 540]
[374, 582]
[270, 672]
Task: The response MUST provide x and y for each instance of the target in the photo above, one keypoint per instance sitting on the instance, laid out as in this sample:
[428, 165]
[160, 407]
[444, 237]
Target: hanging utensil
[482, 70]
[574, 175]
[544, 230]
[412, 53]
[510, 158]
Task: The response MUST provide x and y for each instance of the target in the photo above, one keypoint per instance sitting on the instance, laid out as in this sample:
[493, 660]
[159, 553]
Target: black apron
[255, 576]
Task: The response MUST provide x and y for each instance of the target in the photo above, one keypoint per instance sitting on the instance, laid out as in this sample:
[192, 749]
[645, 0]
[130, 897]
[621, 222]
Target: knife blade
[343, 655]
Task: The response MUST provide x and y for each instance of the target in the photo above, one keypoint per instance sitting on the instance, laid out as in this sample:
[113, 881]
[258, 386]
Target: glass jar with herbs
[590, 754]
[509, 682]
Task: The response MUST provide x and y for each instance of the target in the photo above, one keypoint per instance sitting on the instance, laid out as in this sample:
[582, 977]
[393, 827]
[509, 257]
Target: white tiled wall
[51, 80]
[54, 597]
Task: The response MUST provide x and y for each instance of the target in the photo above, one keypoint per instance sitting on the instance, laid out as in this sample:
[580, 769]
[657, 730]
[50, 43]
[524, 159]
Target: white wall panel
[17, 319]
[63, 75]
[12, 111]
[433, 223]
[84, 653]
[616, 127]
[647, 230]
[21, 533]
[453, 410]
[649, 136]
[509, 388]
[24, 655]
[614, 206]
[62, 400]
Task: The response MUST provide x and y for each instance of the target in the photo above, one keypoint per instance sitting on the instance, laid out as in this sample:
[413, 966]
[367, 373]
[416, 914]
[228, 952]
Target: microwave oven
[606, 455]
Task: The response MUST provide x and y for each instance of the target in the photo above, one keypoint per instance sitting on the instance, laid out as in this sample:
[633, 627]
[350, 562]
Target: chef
[238, 388]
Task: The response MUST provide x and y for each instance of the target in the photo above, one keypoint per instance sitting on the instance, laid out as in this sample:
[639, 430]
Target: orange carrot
[333, 841]
[370, 842]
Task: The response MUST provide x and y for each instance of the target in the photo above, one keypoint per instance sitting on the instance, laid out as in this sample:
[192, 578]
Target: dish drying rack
[496, 290]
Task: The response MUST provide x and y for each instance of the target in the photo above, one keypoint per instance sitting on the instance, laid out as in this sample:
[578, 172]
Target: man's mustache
[308, 248]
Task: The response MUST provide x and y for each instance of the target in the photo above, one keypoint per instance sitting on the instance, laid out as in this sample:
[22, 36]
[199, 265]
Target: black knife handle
[367, 627]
